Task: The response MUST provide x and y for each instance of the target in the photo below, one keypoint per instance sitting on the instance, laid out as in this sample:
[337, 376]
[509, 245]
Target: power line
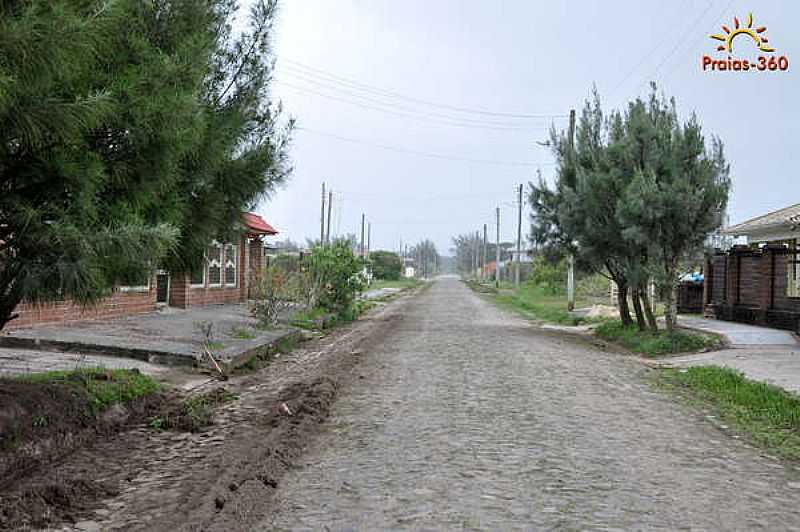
[379, 90]
[395, 105]
[423, 153]
[420, 117]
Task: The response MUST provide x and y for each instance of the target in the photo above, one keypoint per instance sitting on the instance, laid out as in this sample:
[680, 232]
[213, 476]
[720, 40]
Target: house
[223, 275]
[758, 282]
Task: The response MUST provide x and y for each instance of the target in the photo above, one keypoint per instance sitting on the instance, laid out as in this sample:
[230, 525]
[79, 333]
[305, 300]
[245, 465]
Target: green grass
[540, 304]
[651, 343]
[104, 387]
[765, 414]
[402, 283]
[242, 333]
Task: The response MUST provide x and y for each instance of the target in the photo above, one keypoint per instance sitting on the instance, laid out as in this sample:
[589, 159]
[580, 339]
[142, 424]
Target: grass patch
[541, 304]
[403, 283]
[650, 343]
[243, 333]
[103, 387]
[767, 415]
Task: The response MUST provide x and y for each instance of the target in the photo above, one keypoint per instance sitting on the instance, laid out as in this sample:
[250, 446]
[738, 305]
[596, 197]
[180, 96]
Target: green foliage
[277, 290]
[768, 415]
[336, 277]
[426, 258]
[638, 192]
[131, 134]
[104, 387]
[550, 277]
[386, 265]
[653, 343]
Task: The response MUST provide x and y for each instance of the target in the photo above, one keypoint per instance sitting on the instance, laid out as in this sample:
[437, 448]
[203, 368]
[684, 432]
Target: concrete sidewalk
[169, 337]
[761, 354]
[740, 334]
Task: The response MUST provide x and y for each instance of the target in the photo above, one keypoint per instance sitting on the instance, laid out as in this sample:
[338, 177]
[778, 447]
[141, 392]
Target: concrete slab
[15, 362]
[740, 334]
[168, 337]
[775, 365]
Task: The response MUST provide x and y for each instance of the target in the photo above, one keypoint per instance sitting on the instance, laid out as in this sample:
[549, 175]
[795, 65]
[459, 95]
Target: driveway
[468, 418]
[741, 334]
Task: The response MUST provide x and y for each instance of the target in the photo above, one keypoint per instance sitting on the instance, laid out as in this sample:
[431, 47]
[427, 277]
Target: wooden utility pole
[483, 268]
[330, 204]
[369, 237]
[519, 239]
[497, 253]
[476, 250]
[363, 219]
[322, 218]
[570, 257]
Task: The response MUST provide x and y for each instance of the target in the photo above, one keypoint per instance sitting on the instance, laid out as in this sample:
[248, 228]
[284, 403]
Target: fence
[757, 286]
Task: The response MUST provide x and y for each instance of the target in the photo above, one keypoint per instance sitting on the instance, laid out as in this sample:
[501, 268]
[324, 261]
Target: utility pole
[322, 218]
[497, 253]
[369, 237]
[330, 204]
[570, 257]
[519, 239]
[483, 269]
[363, 218]
[476, 250]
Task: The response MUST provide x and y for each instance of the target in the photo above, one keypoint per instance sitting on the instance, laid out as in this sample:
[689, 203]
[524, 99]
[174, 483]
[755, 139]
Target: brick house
[758, 282]
[225, 275]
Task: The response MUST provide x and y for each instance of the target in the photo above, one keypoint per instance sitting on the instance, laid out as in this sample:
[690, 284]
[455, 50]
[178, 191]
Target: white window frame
[221, 264]
[204, 266]
[793, 270]
[226, 260]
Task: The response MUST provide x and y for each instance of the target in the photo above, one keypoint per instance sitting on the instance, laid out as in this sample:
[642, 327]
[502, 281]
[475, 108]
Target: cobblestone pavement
[469, 418]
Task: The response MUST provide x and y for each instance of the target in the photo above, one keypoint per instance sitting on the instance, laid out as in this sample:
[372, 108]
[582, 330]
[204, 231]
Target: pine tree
[131, 134]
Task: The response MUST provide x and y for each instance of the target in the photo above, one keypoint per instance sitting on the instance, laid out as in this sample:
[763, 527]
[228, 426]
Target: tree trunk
[637, 308]
[648, 310]
[622, 302]
[670, 308]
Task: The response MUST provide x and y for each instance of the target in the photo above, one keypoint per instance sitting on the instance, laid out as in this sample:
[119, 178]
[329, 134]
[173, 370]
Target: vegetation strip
[654, 343]
[767, 415]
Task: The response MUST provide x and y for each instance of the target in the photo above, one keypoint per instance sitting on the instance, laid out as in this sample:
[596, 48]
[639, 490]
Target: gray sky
[357, 75]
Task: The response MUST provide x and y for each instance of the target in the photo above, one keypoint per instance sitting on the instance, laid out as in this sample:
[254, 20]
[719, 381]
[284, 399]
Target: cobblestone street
[465, 417]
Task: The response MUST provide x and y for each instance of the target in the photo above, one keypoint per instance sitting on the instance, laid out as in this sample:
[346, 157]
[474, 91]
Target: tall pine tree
[131, 134]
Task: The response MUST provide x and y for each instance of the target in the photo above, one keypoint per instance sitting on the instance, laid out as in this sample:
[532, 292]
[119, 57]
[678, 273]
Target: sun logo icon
[755, 34]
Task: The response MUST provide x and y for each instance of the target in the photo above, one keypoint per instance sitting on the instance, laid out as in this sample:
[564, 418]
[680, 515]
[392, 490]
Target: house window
[231, 264]
[197, 277]
[215, 265]
[793, 270]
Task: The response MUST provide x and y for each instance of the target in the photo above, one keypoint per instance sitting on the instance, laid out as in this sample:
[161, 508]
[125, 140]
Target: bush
[277, 290]
[336, 276]
[386, 265]
[652, 343]
[550, 276]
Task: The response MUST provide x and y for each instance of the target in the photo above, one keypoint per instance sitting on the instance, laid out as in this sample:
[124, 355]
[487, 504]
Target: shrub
[336, 277]
[550, 276]
[386, 265]
[277, 290]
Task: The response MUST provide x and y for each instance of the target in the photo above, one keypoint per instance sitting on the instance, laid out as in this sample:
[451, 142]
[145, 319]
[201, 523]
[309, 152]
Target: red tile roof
[257, 225]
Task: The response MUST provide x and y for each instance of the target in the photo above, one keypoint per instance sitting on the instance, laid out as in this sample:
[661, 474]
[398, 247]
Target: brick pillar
[179, 291]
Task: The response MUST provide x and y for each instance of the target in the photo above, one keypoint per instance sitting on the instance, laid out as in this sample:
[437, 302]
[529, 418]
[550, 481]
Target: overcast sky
[359, 75]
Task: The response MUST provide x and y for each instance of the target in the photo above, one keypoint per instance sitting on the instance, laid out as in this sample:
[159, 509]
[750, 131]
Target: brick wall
[749, 285]
[184, 295]
[116, 305]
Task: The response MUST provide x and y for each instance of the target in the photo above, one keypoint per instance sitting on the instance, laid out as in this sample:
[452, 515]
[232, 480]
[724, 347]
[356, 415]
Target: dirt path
[220, 479]
[468, 418]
